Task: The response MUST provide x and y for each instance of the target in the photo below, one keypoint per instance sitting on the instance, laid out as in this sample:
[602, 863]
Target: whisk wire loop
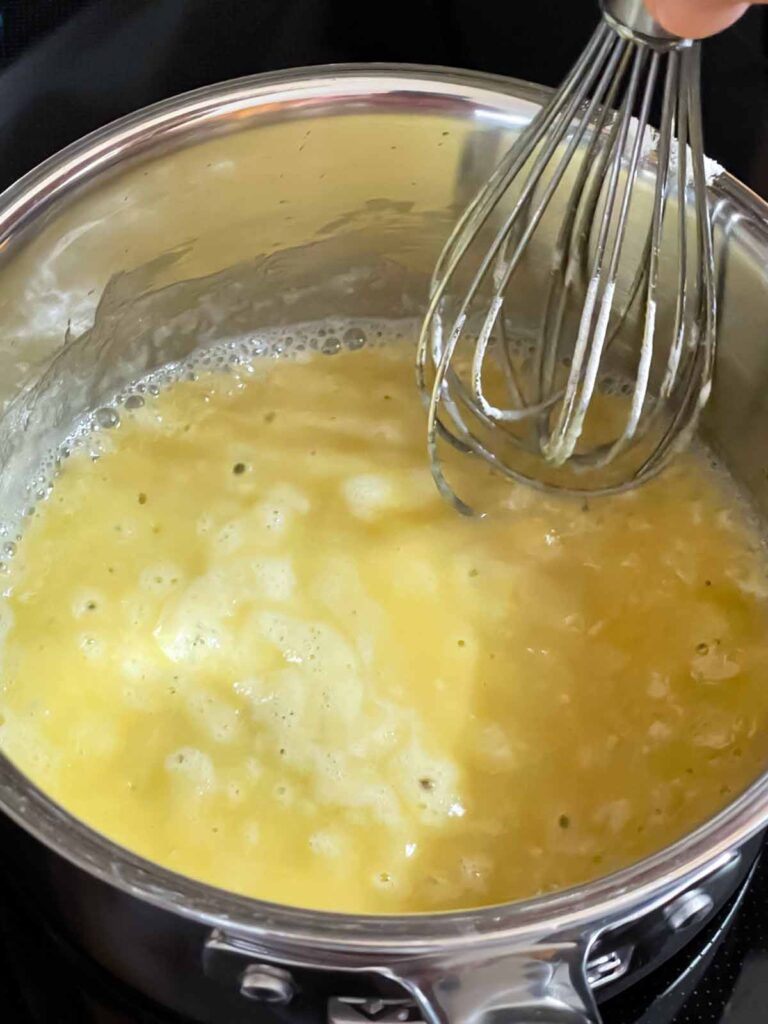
[530, 410]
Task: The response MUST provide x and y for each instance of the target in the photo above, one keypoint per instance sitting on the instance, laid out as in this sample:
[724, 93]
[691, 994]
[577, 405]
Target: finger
[695, 19]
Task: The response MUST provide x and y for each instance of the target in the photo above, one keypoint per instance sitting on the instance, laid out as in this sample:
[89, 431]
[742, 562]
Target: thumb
[694, 19]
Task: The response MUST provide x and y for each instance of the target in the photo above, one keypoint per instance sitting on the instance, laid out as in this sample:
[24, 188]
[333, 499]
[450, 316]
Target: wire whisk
[607, 220]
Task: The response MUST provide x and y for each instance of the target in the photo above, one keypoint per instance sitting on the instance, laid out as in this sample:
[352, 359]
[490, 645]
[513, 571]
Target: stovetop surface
[70, 66]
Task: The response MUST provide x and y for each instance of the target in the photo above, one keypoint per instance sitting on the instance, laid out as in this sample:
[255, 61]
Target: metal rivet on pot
[689, 909]
[267, 984]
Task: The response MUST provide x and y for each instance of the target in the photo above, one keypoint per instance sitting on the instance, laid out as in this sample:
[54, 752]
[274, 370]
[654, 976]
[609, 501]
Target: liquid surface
[251, 643]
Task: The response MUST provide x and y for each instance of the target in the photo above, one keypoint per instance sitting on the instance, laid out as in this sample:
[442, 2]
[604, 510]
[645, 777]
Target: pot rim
[573, 911]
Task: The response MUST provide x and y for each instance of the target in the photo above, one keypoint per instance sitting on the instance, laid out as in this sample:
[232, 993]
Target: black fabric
[69, 66]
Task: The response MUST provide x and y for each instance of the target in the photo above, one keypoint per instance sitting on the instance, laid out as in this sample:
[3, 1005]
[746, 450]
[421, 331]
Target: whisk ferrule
[630, 18]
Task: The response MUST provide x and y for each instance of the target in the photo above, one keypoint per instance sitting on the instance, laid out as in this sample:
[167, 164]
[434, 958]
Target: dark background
[69, 66]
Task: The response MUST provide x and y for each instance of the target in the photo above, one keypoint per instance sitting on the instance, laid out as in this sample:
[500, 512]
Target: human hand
[694, 19]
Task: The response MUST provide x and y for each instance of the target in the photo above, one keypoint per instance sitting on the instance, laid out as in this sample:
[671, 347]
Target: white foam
[326, 844]
[368, 495]
[192, 767]
[275, 578]
[160, 578]
[218, 718]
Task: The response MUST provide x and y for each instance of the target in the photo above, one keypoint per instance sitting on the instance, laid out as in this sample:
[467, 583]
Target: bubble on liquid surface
[330, 346]
[107, 418]
[354, 338]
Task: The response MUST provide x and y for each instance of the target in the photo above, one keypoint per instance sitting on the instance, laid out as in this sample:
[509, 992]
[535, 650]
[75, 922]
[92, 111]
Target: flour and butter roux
[251, 643]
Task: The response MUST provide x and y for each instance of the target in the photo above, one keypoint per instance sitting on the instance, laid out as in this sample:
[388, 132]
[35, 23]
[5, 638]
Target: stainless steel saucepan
[266, 202]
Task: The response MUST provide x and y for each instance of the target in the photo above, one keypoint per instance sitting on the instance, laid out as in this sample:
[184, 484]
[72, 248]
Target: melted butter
[252, 644]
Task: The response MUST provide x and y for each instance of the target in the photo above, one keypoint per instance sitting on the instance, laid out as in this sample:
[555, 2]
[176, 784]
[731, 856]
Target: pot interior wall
[285, 212]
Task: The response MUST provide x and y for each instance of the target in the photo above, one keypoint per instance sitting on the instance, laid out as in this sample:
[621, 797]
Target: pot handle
[544, 984]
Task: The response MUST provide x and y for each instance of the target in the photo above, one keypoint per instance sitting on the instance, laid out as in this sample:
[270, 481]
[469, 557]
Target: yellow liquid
[251, 643]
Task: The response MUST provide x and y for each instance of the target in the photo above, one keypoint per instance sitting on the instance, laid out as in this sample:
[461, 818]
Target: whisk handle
[631, 18]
